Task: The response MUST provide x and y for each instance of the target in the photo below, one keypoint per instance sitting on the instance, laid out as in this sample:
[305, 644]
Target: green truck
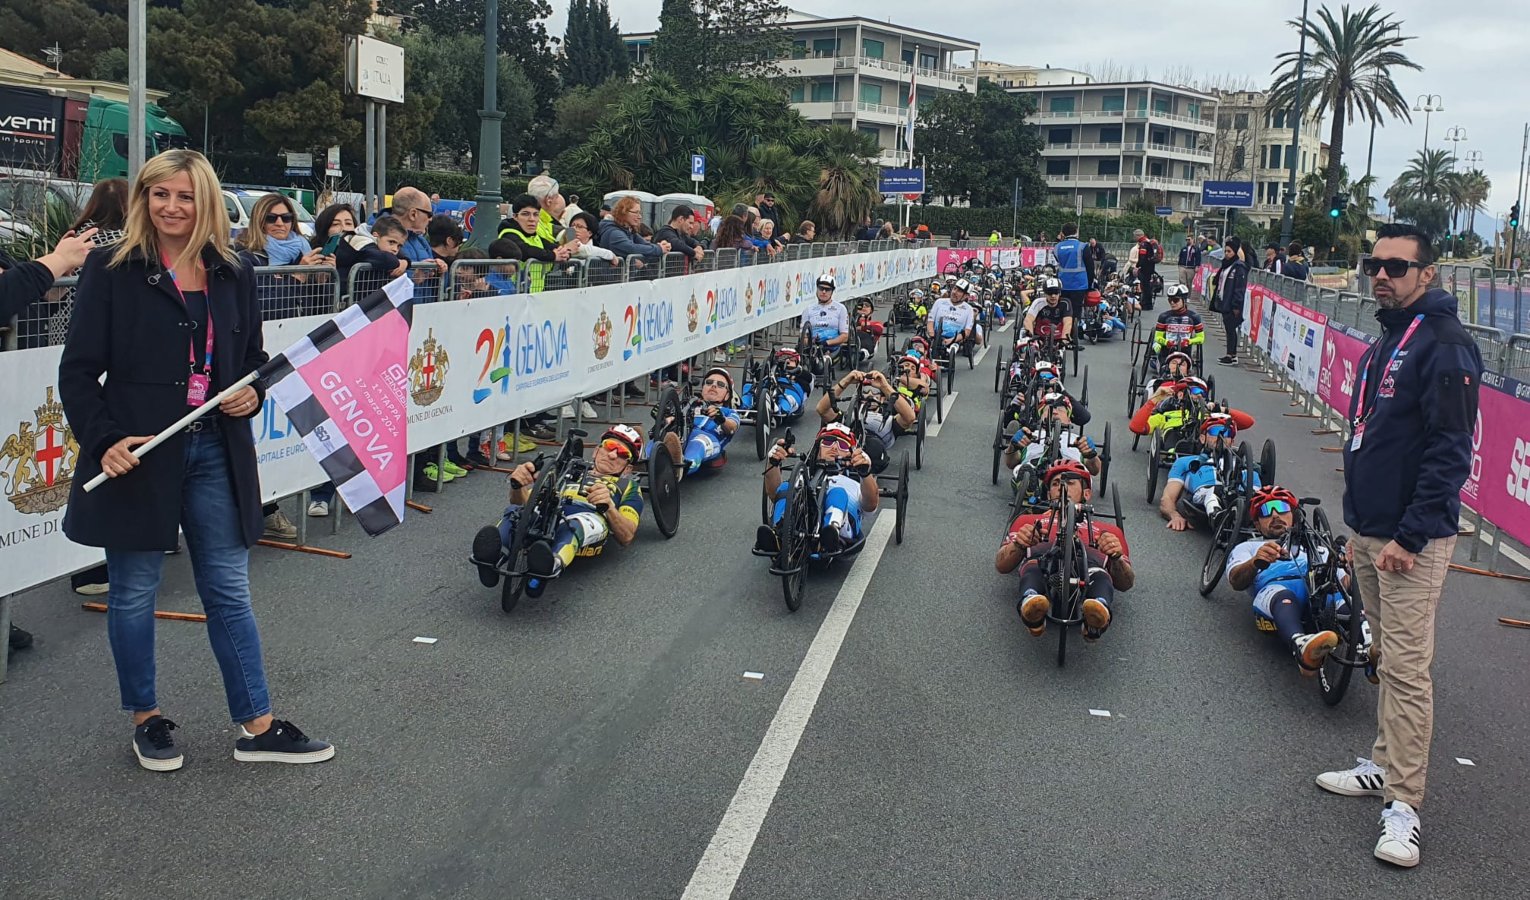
[74, 136]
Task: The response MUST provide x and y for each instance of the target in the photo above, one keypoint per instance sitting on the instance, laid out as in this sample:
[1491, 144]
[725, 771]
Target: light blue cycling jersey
[1206, 476]
[826, 321]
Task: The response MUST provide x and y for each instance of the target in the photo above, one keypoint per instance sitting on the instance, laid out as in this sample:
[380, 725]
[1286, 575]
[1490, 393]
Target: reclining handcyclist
[795, 381]
[868, 331]
[606, 503]
[1167, 408]
[1054, 414]
[1179, 327]
[914, 382]
[1190, 495]
[952, 318]
[1277, 580]
[826, 323]
[1049, 315]
[1042, 378]
[887, 413]
[1029, 541]
[852, 491]
[712, 424]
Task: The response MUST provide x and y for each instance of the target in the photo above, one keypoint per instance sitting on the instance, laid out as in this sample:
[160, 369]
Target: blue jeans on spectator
[220, 564]
[324, 493]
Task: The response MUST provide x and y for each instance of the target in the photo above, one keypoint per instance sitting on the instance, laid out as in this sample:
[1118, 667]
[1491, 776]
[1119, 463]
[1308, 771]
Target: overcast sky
[1469, 58]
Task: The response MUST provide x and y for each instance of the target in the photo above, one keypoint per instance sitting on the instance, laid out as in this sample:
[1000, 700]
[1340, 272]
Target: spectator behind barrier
[413, 208]
[445, 237]
[380, 250]
[807, 230]
[582, 229]
[619, 233]
[731, 236]
[106, 210]
[678, 233]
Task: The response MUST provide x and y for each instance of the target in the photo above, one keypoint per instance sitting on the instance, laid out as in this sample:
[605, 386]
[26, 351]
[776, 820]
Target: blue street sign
[1228, 193]
[698, 167]
[901, 181]
[1163, 210]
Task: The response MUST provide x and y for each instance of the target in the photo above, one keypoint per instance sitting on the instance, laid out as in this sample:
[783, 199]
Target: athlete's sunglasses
[1395, 268]
[1197, 390]
[840, 443]
[716, 382]
[619, 449]
[1221, 431]
[1273, 507]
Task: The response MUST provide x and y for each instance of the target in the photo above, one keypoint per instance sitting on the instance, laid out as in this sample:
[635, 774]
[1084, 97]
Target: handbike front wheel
[1224, 533]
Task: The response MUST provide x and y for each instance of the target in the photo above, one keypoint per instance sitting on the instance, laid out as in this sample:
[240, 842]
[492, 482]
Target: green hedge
[980, 222]
[451, 185]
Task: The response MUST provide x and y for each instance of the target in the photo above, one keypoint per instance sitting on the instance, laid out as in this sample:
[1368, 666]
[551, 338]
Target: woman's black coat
[1230, 302]
[129, 324]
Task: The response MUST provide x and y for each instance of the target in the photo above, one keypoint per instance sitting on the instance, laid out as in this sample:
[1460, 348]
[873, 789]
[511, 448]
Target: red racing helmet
[1066, 468]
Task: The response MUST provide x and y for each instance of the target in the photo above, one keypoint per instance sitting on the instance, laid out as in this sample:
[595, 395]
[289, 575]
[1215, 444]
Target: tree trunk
[1335, 144]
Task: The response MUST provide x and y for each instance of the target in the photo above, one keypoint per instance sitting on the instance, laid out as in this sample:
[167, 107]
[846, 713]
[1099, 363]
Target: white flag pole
[180, 424]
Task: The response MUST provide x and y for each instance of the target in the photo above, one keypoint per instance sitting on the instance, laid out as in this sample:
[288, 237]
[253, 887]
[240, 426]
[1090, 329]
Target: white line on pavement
[728, 851]
[934, 427]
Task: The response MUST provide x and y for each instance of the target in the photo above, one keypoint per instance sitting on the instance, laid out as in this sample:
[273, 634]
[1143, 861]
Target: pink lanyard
[1365, 371]
[191, 352]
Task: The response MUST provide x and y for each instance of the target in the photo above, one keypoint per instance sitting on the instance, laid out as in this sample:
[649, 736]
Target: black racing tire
[1224, 534]
[1083, 394]
[1132, 387]
[940, 400]
[1105, 459]
[1155, 451]
[664, 492]
[1267, 462]
[1067, 534]
[901, 513]
[792, 557]
[919, 440]
[510, 592]
[998, 373]
[764, 414]
[998, 448]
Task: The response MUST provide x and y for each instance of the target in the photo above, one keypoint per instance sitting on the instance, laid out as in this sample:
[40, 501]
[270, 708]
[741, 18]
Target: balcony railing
[1078, 113]
[901, 70]
[843, 107]
[1139, 146]
[1083, 146]
[1185, 183]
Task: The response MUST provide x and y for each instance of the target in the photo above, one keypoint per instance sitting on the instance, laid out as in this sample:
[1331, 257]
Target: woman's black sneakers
[154, 747]
[283, 742]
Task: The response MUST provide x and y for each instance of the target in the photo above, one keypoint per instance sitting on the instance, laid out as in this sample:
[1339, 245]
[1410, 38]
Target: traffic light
[1336, 205]
[1514, 216]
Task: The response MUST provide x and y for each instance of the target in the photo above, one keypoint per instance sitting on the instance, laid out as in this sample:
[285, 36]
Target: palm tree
[847, 191]
[1427, 177]
[1347, 75]
[1475, 187]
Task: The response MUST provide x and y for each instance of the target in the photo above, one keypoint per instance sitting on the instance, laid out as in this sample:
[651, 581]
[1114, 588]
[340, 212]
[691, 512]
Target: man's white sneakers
[1365, 780]
[1398, 843]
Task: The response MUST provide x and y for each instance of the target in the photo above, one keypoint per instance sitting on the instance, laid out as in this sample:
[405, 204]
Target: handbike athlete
[868, 331]
[606, 502]
[888, 413]
[795, 382]
[1055, 414]
[827, 323]
[1190, 492]
[1167, 408]
[1278, 581]
[852, 491]
[1049, 315]
[953, 317]
[712, 426]
[1179, 326]
[1030, 539]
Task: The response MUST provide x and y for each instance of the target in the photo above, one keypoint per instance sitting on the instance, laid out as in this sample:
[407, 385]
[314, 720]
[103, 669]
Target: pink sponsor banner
[1499, 484]
[357, 382]
[1253, 316]
[1342, 351]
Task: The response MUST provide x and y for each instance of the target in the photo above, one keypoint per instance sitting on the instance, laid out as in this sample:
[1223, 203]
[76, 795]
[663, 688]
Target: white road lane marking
[934, 427]
[717, 873]
[1102, 713]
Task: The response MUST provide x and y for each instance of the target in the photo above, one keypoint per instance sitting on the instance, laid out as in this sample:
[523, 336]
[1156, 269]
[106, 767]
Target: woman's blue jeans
[220, 563]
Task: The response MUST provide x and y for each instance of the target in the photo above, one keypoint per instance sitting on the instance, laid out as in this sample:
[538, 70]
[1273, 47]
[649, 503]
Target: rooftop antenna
[55, 55]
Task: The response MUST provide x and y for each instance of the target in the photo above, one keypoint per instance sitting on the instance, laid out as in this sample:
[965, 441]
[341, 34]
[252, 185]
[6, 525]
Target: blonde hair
[254, 238]
[211, 228]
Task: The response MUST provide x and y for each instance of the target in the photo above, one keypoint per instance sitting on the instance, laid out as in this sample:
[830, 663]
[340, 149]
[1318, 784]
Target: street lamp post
[138, 137]
[1455, 134]
[1426, 104]
[490, 119]
[1288, 215]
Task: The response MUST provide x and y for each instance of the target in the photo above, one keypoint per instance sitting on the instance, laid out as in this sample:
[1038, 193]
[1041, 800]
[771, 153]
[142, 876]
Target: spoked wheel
[1132, 401]
[902, 499]
[1105, 459]
[1155, 449]
[792, 558]
[514, 585]
[1224, 534]
[664, 492]
[669, 408]
[998, 448]
[764, 415]
[940, 400]
[1084, 393]
[1267, 465]
[1067, 535]
[919, 440]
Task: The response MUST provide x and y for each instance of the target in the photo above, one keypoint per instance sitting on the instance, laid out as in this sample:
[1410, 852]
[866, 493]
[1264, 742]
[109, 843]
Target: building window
[1224, 121]
[1239, 158]
[1059, 135]
[1163, 105]
[1059, 166]
[1112, 103]
[1304, 160]
[823, 92]
[1110, 134]
[1160, 137]
[1264, 157]
[1193, 110]
[928, 61]
[1104, 199]
[798, 93]
[1240, 121]
[908, 57]
[1280, 119]
[799, 50]
[871, 130]
[1060, 104]
[1155, 169]
[871, 93]
[1275, 156]
[825, 47]
[1187, 172]
[1110, 167]
[872, 49]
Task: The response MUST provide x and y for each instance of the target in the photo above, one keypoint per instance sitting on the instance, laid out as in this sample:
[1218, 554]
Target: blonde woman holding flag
[169, 317]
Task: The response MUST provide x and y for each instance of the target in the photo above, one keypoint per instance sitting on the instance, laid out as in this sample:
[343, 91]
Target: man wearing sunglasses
[1029, 542]
[1277, 580]
[886, 412]
[828, 323]
[712, 425]
[852, 489]
[1179, 327]
[1054, 413]
[952, 316]
[607, 502]
[795, 383]
[1169, 407]
[1190, 491]
[1049, 315]
[1412, 417]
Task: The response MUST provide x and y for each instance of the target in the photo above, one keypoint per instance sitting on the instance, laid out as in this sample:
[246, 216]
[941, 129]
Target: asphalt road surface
[908, 738]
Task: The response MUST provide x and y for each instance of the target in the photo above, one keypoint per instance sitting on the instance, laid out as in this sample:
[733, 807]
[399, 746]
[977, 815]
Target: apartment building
[855, 71]
[1106, 143]
[1254, 144]
[1008, 76]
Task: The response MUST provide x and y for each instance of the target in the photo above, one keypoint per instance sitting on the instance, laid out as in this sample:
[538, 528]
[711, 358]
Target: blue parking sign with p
[698, 167]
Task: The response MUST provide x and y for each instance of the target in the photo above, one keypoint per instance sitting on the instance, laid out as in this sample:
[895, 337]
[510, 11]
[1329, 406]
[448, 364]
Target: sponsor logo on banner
[541, 352]
[649, 326]
[748, 299]
[494, 345]
[38, 460]
[722, 308]
[427, 371]
[691, 309]
[602, 334]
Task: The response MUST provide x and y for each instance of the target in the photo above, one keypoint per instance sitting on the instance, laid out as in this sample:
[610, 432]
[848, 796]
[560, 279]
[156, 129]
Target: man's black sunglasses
[1396, 268]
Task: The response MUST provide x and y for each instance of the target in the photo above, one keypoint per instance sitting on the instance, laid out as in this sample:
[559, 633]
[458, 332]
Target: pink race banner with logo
[1499, 485]
[1342, 350]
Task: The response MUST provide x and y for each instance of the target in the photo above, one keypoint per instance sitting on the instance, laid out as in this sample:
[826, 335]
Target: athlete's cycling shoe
[1033, 612]
[765, 539]
[540, 560]
[1312, 649]
[1400, 832]
[829, 540]
[676, 452]
[486, 551]
[1096, 619]
[1366, 779]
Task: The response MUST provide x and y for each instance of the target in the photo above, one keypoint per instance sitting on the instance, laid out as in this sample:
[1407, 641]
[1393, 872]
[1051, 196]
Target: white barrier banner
[1296, 342]
[473, 365]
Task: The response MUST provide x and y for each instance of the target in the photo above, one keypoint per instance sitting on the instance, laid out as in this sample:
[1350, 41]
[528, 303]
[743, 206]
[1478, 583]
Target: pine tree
[593, 50]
